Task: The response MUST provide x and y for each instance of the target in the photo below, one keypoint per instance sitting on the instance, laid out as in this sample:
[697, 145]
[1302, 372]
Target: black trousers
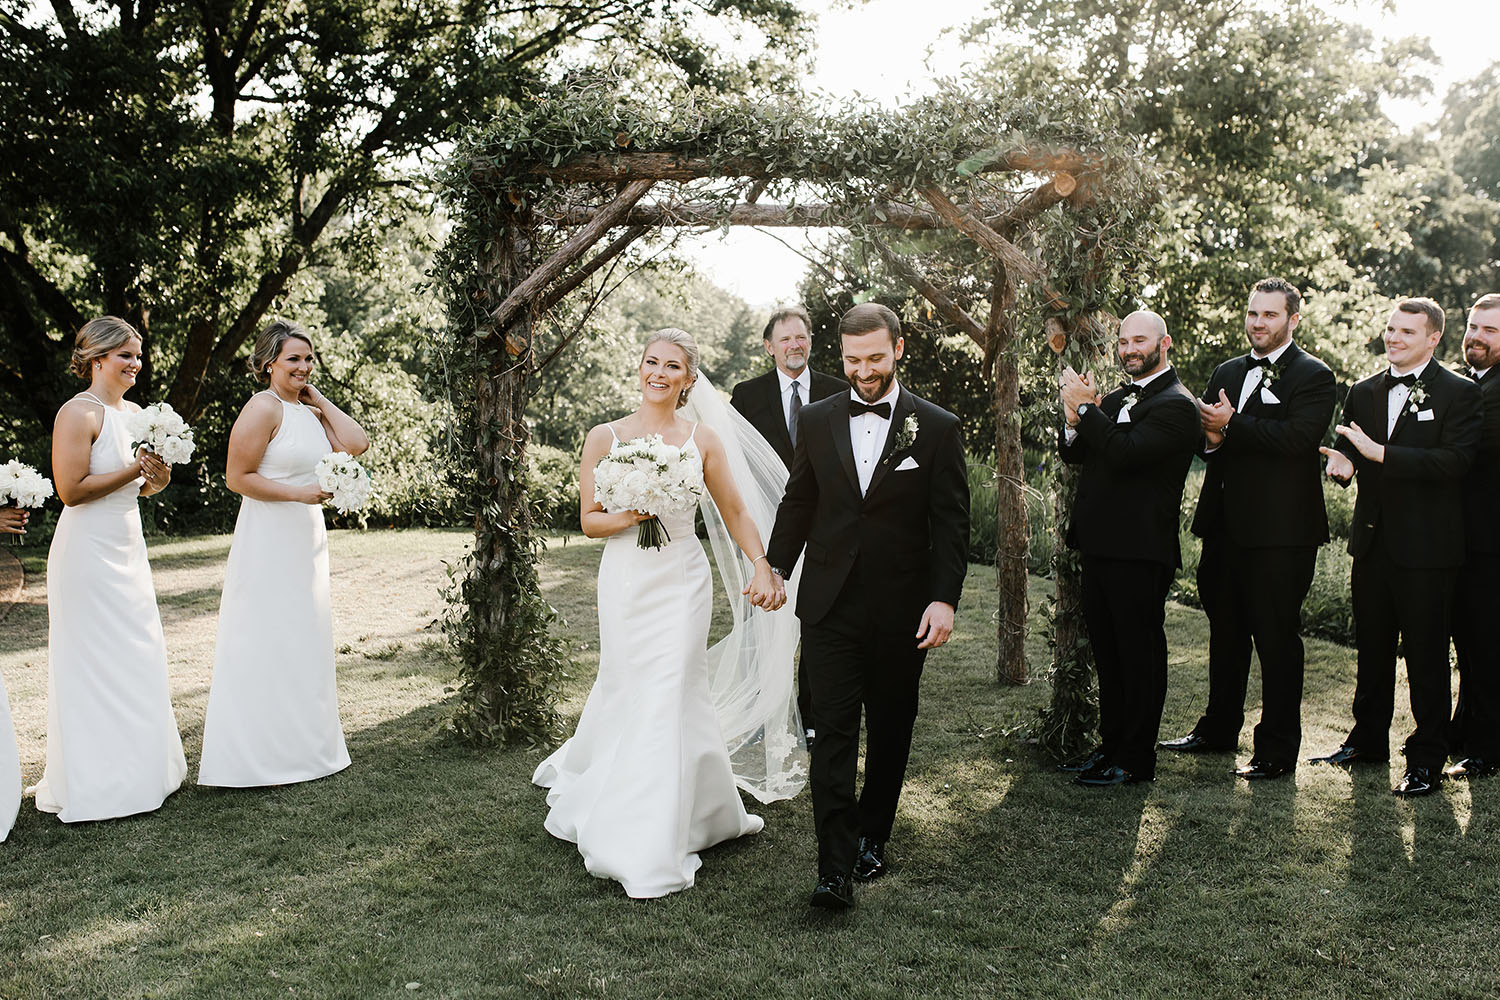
[1124, 608]
[1255, 596]
[856, 663]
[1475, 731]
[804, 699]
[1415, 606]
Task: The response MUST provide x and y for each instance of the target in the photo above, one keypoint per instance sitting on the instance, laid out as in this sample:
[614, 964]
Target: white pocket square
[1123, 418]
[1267, 396]
[1425, 415]
[907, 463]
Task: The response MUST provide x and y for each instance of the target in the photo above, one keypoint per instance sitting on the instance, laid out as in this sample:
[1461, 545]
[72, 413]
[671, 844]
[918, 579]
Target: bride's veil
[750, 670]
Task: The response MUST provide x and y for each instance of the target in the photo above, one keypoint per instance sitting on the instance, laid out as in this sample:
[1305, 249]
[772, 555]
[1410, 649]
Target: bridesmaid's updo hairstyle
[684, 340]
[95, 339]
[268, 346]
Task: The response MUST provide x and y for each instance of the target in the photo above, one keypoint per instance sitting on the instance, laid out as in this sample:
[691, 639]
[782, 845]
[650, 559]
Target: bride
[671, 727]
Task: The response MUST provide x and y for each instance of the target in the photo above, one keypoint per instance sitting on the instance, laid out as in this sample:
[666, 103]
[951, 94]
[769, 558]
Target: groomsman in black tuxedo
[1409, 432]
[1475, 734]
[1261, 518]
[1135, 445]
[878, 501]
[773, 402]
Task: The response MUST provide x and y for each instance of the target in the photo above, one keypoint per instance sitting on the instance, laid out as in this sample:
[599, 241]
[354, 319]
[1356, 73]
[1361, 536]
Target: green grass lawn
[426, 863]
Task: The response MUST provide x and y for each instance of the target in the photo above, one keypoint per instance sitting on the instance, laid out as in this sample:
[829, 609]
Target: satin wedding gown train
[273, 706]
[645, 782]
[112, 743]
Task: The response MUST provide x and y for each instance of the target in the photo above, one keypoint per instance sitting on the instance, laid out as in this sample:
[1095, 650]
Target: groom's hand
[937, 625]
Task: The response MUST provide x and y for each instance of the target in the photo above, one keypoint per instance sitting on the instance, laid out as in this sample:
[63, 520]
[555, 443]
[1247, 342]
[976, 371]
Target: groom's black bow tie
[1408, 380]
[881, 410]
[1260, 362]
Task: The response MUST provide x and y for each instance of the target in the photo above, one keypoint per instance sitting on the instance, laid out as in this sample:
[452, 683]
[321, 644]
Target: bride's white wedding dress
[645, 782]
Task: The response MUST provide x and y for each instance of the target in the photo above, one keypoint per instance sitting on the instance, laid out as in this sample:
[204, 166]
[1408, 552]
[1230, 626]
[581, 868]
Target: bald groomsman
[1475, 733]
[1261, 519]
[1409, 433]
[1135, 445]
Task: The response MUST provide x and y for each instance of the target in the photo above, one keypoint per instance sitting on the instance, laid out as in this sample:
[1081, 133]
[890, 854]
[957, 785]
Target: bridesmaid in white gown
[12, 522]
[112, 743]
[273, 708]
[645, 782]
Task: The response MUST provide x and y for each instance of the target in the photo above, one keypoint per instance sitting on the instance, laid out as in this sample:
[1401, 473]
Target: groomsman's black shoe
[1193, 743]
[834, 892]
[1258, 769]
[1347, 756]
[1087, 762]
[1471, 767]
[1417, 781]
[1104, 777]
[870, 862]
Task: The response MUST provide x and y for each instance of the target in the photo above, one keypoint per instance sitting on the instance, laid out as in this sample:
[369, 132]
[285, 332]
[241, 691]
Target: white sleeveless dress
[273, 707]
[10, 768]
[645, 781]
[112, 743]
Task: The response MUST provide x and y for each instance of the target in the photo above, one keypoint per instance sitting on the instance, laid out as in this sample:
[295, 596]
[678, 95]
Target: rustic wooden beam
[808, 216]
[626, 165]
[946, 307]
[1055, 190]
[559, 291]
[576, 246]
[1014, 258]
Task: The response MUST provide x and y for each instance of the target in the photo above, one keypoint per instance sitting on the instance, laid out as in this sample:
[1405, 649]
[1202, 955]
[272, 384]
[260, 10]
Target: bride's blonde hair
[684, 340]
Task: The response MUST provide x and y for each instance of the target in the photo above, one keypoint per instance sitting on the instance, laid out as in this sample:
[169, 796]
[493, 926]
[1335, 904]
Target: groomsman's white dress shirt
[867, 433]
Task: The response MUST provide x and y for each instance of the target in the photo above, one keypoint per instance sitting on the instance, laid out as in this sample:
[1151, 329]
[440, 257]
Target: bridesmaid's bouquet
[22, 486]
[650, 476]
[162, 430]
[338, 473]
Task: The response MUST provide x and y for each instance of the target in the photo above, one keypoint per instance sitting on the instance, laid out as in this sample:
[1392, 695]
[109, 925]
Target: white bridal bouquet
[652, 477]
[163, 431]
[22, 486]
[338, 473]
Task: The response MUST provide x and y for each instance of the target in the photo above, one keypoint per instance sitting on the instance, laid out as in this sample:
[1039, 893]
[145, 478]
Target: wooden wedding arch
[1002, 214]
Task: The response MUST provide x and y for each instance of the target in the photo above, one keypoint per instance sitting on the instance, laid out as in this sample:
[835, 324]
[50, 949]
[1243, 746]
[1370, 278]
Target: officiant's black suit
[758, 400]
[1261, 517]
[1407, 541]
[871, 566]
[1476, 718]
[1125, 523]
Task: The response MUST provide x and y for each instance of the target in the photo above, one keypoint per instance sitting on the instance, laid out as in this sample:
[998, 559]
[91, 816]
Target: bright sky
[880, 51]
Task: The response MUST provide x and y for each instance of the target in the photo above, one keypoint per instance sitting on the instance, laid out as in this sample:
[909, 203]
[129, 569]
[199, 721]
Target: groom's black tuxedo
[758, 400]
[1407, 540]
[1476, 718]
[1261, 517]
[1125, 523]
[873, 564]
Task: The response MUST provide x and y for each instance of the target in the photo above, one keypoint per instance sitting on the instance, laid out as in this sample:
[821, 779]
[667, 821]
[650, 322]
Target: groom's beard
[871, 393]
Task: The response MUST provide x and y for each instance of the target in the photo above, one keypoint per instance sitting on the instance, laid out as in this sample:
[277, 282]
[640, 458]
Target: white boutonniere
[907, 436]
[1268, 376]
[1131, 398]
[1416, 397]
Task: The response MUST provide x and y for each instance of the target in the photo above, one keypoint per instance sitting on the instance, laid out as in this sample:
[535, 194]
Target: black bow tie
[1408, 380]
[1131, 387]
[1260, 362]
[881, 410]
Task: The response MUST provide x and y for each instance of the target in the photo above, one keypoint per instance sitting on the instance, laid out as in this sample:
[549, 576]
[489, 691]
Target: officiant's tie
[793, 412]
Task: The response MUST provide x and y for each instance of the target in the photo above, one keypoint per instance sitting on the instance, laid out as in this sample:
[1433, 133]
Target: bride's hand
[765, 590]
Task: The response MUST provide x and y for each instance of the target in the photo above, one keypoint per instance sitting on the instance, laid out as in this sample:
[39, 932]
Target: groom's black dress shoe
[1417, 781]
[1193, 743]
[1103, 777]
[869, 864]
[834, 892]
[1471, 767]
[1259, 769]
[1087, 762]
[1347, 756]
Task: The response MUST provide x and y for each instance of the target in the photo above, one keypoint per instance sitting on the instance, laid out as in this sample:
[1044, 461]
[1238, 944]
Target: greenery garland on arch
[1007, 211]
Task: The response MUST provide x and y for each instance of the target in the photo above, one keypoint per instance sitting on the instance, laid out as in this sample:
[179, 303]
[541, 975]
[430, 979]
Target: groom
[878, 498]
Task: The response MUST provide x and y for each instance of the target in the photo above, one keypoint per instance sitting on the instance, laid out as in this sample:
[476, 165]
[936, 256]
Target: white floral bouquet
[22, 486]
[650, 476]
[162, 430]
[338, 473]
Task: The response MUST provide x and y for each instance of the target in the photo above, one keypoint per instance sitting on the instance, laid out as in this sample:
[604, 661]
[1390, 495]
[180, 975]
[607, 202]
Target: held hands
[1073, 391]
[1339, 467]
[937, 625]
[766, 590]
[1362, 442]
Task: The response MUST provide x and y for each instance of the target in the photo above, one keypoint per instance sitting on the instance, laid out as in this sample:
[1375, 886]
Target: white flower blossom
[648, 475]
[23, 486]
[338, 473]
[161, 429]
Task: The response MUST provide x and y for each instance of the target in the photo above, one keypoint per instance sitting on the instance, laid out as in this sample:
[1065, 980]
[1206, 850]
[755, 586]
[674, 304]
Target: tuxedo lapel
[904, 407]
[838, 422]
[1380, 407]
